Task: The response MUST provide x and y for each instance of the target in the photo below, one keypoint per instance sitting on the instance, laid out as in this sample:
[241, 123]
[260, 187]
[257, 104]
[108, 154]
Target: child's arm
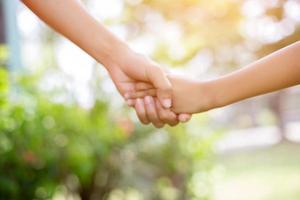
[274, 72]
[271, 73]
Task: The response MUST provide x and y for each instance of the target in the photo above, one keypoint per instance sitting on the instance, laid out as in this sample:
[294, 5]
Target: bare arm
[271, 73]
[274, 72]
[69, 18]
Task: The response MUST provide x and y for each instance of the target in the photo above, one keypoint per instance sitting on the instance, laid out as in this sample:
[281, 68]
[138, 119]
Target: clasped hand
[147, 88]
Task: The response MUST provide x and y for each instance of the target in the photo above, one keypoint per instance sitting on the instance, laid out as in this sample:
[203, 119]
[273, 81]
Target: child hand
[188, 96]
[149, 110]
[128, 80]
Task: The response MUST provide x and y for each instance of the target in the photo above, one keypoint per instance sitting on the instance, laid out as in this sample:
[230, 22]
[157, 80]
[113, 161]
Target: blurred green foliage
[54, 150]
[261, 174]
[49, 149]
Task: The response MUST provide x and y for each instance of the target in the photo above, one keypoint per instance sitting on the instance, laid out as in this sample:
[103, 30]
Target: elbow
[297, 48]
[296, 52]
[297, 44]
[293, 59]
[297, 57]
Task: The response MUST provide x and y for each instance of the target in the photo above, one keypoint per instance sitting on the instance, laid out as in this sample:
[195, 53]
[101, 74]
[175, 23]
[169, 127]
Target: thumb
[184, 117]
[161, 82]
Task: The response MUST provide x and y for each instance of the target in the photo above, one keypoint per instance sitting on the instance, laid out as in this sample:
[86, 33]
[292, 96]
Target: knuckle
[166, 89]
[142, 120]
[163, 116]
[145, 122]
[152, 67]
[172, 125]
[152, 92]
[158, 125]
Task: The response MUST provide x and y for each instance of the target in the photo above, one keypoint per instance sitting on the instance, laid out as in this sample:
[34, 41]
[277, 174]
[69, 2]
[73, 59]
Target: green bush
[49, 149]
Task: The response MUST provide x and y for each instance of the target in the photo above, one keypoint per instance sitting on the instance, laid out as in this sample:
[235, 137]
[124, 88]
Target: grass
[265, 174]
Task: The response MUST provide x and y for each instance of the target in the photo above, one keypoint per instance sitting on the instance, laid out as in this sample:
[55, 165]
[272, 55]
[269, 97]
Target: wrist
[209, 95]
[111, 51]
[220, 93]
[205, 96]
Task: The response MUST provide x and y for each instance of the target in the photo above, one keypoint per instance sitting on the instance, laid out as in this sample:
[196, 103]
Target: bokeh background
[66, 134]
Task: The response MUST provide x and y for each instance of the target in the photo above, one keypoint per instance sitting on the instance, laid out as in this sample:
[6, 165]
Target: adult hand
[127, 77]
[72, 20]
[149, 109]
[141, 69]
[127, 81]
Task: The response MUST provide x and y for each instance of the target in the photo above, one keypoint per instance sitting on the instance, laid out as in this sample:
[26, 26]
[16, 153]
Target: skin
[126, 68]
[274, 72]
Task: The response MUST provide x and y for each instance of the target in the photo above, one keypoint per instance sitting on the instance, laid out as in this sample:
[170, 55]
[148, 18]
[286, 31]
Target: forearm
[69, 18]
[274, 72]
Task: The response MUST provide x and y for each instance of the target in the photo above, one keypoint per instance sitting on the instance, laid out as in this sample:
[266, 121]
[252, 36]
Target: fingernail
[129, 102]
[167, 103]
[138, 100]
[183, 118]
[148, 100]
[126, 95]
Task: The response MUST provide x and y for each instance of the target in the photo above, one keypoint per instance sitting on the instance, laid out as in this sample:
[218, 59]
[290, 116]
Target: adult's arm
[70, 18]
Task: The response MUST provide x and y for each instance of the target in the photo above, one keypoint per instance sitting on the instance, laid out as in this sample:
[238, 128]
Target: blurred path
[257, 137]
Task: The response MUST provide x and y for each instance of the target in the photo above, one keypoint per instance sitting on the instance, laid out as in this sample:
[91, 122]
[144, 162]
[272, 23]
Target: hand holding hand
[125, 67]
[136, 72]
[131, 68]
[188, 96]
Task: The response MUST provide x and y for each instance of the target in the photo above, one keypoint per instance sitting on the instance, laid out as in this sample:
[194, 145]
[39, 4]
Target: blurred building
[2, 28]
[9, 33]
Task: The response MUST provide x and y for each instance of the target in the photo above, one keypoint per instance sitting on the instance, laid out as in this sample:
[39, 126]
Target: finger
[122, 86]
[143, 86]
[151, 112]
[141, 112]
[164, 88]
[166, 115]
[131, 102]
[140, 94]
[184, 117]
